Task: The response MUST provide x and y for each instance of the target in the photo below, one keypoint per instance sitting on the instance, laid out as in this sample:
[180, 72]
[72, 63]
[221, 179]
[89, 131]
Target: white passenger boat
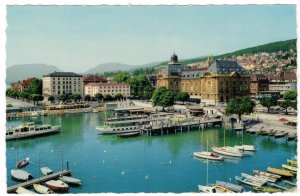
[42, 189]
[70, 180]
[21, 175]
[246, 147]
[228, 151]
[57, 185]
[248, 181]
[26, 130]
[22, 190]
[46, 170]
[254, 178]
[208, 155]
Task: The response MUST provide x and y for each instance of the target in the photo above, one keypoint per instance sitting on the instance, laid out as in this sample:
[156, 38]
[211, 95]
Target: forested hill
[270, 47]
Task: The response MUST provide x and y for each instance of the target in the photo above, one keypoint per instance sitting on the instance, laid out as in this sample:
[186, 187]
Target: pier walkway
[12, 189]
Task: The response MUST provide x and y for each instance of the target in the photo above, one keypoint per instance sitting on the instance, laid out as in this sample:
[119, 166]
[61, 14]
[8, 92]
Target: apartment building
[107, 89]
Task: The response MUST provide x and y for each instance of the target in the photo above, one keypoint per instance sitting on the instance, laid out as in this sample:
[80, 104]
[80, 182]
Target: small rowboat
[21, 190]
[269, 179]
[254, 178]
[46, 170]
[278, 135]
[281, 172]
[131, 134]
[289, 167]
[42, 189]
[266, 174]
[21, 175]
[292, 162]
[267, 189]
[208, 155]
[214, 189]
[246, 147]
[248, 181]
[70, 180]
[22, 163]
[227, 150]
[57, 185]
[234, 187]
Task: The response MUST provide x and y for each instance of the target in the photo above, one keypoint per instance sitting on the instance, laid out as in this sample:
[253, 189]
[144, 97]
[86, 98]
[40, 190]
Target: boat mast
[207, 163]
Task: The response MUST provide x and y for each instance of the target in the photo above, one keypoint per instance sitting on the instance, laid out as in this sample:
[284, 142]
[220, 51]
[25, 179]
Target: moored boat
[267, 189]
[57, 185]
[42, 189]
[228, 151]
[289, 167]
[129, 134]
[246, 147]
[281, 172]
[254, 178]
[208, 155]
[278, 135]
[292, 162]
[21, 175]
[22, 190]
[46, 170]
[22, 163]
[261, 173]
[70, 180]
[269, 179]
[248, 181]
[214, 189]
[234, 187]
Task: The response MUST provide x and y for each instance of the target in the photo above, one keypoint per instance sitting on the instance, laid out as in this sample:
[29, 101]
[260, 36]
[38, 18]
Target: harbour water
[106, 163]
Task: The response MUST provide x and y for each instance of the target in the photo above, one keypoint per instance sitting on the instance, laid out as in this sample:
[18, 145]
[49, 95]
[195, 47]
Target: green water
[106, 163]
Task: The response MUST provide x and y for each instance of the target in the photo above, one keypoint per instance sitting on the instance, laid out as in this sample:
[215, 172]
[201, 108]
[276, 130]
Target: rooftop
[62, 74]
[107, 84]
[226, 66]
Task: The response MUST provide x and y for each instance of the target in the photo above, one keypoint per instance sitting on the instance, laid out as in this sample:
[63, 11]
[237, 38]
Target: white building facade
[107, 89]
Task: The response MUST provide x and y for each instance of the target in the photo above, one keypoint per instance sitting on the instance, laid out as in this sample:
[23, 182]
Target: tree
[182, 96]
[35, 87]
[163, 97]
[51, 99]
[119, 96]
[87, 98]
[121, 77]
[99, 97]
[76, 97]
[108, 97]
[286, 104]
[290, 100]
[290, 95]
[240, 105]
[140, 86]
[268, 102]
[63, 98]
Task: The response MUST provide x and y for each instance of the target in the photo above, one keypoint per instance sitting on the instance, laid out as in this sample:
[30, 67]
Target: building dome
[174, 58]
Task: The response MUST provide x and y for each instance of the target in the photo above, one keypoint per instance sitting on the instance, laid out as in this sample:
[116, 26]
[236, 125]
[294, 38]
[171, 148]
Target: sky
[76, 38]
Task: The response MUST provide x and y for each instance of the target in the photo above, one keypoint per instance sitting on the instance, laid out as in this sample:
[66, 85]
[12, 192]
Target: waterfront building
[216, 82]
[107, 89]
[59, 83]
[21, 85]
[283, 81]
[258, 83]
[93, 78]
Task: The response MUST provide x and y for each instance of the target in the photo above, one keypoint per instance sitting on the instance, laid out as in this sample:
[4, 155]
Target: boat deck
[12, 189]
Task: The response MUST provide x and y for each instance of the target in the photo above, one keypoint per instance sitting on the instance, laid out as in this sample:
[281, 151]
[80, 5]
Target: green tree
[119, 96]
[108, 98]
[51, 99]
[240, 105]
[290, 95]
[285, 105]
[35, 87]
[121, 77]
[99, 97]
[140, 86]
[63, 98]
[87, 98]
[76, 97]
[163, 97]
[290, 100]
[182, 96]
[268, 102]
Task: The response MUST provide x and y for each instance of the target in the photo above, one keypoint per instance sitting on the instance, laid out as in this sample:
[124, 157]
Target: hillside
[23, 71]
[270, 47]
[108, 67]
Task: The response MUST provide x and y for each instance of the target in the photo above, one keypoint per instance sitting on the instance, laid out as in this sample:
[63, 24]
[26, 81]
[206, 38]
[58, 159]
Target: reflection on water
[99, 160]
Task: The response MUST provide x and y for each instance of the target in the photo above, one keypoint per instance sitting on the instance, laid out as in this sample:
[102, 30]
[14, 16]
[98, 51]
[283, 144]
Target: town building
[93, 78]
[21, 85]
[258, 83]
[59, 83]
[216, 82]
[283, 81]
[107, 89]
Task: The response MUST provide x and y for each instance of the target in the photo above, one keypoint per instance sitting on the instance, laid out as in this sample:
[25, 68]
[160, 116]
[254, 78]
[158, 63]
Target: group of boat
[276, 133]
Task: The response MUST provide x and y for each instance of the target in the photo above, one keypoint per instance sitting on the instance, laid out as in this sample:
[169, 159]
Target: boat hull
[70, 180]
[57, 185]
[208, 155]
[55, 129]
[281, 172]
[225, 151]
[21, 175]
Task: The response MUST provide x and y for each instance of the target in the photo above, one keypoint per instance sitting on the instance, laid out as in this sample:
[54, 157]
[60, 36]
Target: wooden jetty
[12, 189]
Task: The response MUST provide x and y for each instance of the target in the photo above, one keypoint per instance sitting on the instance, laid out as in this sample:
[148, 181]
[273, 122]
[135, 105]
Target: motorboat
[27, 130]
[254, 178]
[70, 180]
[246, 147]
[228, 151]
[22, 190]
[21, 175]
[208, 155]
[249, 181]
[234, 187]
[261, 173]
[281, 172]
[57, 185]
[42, 189]
[46, 170]
[22, 163]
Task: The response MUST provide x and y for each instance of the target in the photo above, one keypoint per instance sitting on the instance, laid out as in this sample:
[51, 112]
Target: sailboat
[206, 154]
[23, 162]
[227, 150]
[245, 147]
